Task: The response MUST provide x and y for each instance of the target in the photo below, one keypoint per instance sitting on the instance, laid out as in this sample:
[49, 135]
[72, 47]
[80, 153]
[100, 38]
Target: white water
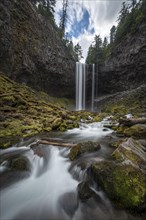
[93, 131]
[93, 88]
[81, 76]
[50, 192]
[80, 86]
[39, 193]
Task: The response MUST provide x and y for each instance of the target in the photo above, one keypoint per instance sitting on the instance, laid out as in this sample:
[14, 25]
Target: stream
[48, 189]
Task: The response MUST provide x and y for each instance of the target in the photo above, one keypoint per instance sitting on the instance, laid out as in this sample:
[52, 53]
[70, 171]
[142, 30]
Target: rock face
[31, 50]
[124, 178]
[126, 67]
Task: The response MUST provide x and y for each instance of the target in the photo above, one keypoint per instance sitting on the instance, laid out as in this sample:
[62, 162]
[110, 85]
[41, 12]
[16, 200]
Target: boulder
[131, 151]
[84, 191]
[132, 121]
[81, 148]
[124, 184]
[20, 163]
[124, 178]
[138, 131]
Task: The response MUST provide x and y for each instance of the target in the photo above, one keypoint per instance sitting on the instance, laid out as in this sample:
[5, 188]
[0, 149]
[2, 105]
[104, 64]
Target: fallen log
[56, 143]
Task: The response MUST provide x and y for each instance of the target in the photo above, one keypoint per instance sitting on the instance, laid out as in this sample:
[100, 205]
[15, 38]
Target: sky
[87, 18]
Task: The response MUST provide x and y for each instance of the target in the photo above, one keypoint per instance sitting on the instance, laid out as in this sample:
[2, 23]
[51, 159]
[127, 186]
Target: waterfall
[81, 81]
[80, 86]
[93, 87]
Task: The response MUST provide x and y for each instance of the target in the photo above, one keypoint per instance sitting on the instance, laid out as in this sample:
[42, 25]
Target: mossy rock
[84, 191]
[6, 142]
[137, 131]
[131, 150]
[20, 163]
[124, 184]
[56, 123]
[81, 148]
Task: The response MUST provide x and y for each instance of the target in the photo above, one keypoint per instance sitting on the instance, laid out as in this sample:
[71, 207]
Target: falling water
[93, 87]
[81, 81]
[80, 86]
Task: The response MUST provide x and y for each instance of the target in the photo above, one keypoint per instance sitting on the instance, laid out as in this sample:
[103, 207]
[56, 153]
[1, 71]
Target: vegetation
[63, 18]
[25, 112]
[123, 183]
[132, 14]
[45, 8]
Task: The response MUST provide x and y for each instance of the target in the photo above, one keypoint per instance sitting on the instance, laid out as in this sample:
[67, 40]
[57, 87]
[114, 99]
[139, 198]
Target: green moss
[117, 155]
[124, 184]
[75, 152]
[138, 131]
[129, 186]
[82, 148]
[26, 112]
[56, 123]
[20, 163]
[132, 103]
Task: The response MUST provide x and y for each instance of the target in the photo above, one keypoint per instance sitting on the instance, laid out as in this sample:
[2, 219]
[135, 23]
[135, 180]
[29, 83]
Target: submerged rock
[20, 163]
[84, 191]
[81, 148]
[69, 202]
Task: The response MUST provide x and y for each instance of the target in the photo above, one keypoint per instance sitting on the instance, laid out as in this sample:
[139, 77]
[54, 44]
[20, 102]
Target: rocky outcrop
[31, 50]
[124, 178]
[126, 66]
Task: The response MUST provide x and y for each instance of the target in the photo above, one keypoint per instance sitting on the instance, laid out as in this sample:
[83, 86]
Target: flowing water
[48, 190]
[86, 79]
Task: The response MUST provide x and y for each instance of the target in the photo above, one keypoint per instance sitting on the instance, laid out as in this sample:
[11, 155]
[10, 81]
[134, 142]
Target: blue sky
[87, 18]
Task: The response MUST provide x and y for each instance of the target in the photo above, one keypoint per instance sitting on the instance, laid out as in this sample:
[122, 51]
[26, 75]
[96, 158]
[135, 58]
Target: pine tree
[63, 17]
[112, 34]
[78, 52]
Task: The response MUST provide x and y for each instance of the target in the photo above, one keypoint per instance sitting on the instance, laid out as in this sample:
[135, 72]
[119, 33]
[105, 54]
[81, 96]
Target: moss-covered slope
[25, 112]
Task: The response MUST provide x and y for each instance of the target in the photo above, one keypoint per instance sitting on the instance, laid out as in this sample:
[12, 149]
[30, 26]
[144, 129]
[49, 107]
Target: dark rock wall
[126, 67]
[31, 51]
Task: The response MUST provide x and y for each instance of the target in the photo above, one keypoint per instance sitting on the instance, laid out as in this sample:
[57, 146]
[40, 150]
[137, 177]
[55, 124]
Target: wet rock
[104, 129]
[124, 178]
[138, 131]
[132, 121]
[84, 191]
[123, 183]
[20, 163]
[69, 202]
[81, 148]
[132, 152]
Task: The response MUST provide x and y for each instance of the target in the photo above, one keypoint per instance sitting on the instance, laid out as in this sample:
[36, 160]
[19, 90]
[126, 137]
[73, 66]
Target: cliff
[126, 67]
[31, 51]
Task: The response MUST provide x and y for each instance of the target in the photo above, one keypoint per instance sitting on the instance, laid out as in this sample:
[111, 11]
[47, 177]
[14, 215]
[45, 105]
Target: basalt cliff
[31, 51]
[126, 66]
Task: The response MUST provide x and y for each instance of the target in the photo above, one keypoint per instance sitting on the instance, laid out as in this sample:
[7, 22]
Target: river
[48, 189]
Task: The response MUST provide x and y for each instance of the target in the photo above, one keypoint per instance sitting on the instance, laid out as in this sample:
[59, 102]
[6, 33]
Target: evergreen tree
[112, 34]
[90, 55]
[63, 17]
[45, 7]
[78, 52]
[98, 50]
